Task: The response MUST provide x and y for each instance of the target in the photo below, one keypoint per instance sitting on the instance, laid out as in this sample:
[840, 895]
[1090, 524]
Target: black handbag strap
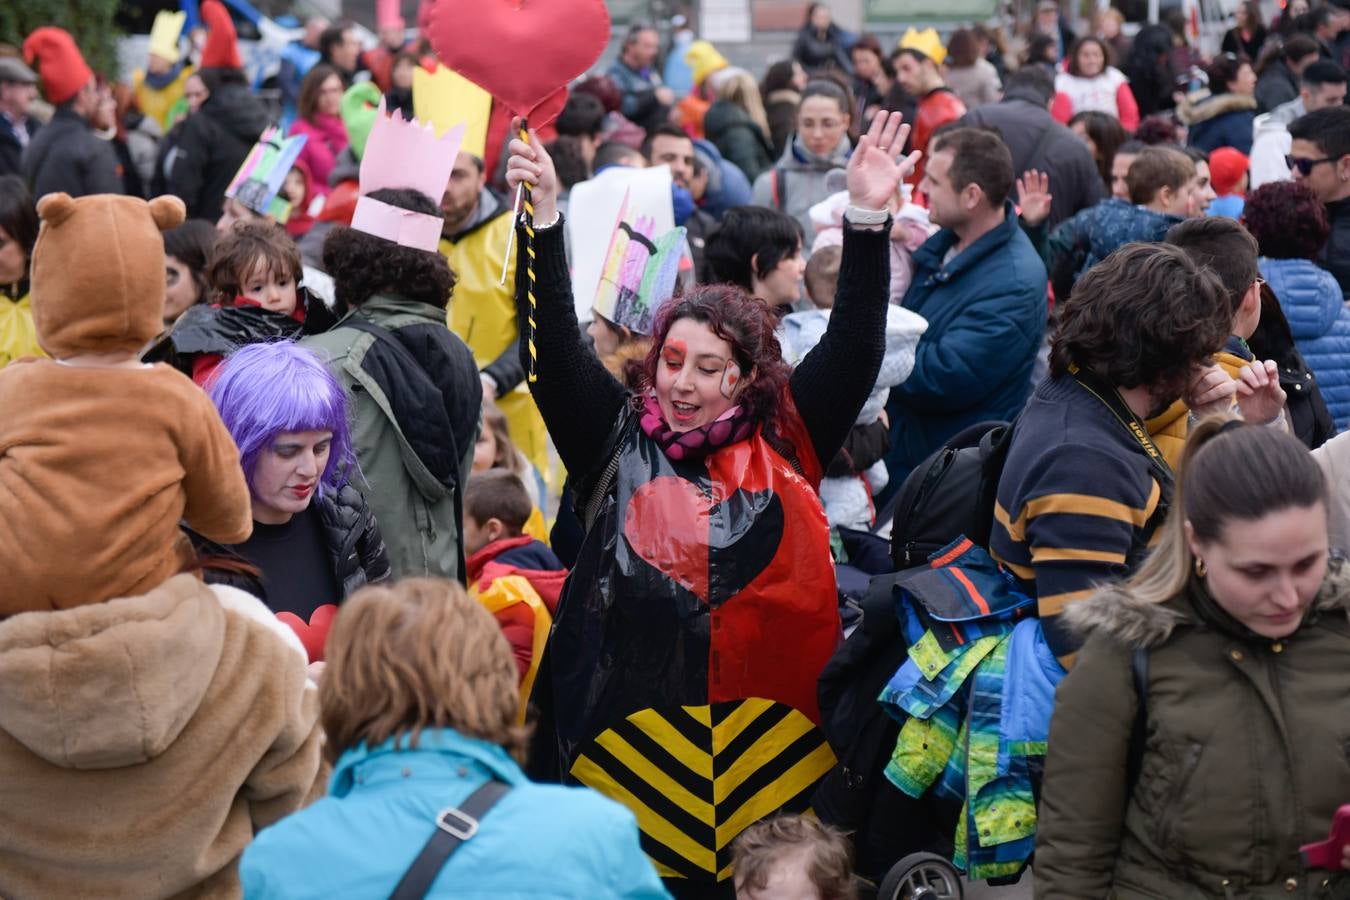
[454, 826]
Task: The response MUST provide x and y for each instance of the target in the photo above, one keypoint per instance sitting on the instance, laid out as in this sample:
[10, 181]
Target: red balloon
[522, 52]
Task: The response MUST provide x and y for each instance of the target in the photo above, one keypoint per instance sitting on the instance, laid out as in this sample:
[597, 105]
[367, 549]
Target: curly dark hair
[1287, 220]
[745, 323]
[363, 265]
[1145, 315]
[1159, 128]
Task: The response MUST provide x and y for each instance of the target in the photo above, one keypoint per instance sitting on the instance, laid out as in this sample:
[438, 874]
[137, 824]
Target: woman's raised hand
[876, 167]
[531, 164]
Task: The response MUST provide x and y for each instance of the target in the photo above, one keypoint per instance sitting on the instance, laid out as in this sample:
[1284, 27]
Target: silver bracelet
[557, 215]
[858, 215]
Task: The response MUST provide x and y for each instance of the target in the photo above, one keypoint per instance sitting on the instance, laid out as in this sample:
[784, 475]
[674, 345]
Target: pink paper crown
[403, 154]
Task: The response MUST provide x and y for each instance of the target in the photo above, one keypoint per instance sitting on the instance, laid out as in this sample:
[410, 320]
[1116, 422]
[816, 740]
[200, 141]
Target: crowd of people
[946, 455]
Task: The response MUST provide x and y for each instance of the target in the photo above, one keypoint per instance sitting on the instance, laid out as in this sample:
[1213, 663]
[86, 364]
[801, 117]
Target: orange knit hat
[222, 41]
[58, 61]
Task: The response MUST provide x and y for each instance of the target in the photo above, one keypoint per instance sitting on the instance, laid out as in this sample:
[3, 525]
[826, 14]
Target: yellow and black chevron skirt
[696, 776]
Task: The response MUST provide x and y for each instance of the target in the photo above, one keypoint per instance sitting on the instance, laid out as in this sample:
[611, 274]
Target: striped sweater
[1074, 502]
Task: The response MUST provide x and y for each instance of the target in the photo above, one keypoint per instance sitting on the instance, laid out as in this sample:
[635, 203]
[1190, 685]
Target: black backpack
[949, 494]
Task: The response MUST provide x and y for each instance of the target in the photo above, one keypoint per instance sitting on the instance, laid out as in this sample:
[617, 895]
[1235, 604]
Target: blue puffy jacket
[1320, 321]
[538, 841]
[986, 312]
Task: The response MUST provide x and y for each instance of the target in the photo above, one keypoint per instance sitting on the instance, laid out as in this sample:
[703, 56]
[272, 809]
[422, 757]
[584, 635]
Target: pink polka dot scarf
[732, 426]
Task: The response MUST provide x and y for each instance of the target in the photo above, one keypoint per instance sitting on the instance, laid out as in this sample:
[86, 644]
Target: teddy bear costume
[144, 738]
[99, 465]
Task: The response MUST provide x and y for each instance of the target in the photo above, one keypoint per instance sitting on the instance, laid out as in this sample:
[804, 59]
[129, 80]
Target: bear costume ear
[168, 212]
[55, 208]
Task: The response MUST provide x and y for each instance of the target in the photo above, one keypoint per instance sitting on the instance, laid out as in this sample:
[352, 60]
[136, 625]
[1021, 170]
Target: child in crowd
[96, 443]
[306, 203]
[858, 471]
[254, 278]
[909, 229]
[510, 572]
[793, 858]
[496, 450]
[822, 276]
[1229, 176]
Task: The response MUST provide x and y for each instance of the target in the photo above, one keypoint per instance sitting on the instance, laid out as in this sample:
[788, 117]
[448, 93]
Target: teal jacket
[418, 512]
[538, 841]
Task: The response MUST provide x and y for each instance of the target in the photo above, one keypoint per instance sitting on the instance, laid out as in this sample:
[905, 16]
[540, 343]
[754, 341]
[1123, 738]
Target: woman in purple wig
[314, 539]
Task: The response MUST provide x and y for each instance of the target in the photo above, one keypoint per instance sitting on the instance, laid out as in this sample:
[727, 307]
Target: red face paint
[731, 376]
[674, 353]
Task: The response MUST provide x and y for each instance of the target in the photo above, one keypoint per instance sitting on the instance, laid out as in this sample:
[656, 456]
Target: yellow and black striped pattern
[696, 776]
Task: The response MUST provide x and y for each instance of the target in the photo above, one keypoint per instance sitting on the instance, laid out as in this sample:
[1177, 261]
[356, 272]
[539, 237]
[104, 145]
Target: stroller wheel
[921, 876]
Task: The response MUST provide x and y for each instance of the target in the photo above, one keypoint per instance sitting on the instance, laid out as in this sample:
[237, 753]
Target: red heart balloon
[520, 51]
[314, 633]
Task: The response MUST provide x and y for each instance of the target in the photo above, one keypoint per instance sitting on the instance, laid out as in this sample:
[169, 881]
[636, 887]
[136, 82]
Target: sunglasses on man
[1305, 166]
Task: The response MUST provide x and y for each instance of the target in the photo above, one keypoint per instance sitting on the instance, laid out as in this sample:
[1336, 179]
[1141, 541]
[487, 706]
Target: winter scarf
[732, 426]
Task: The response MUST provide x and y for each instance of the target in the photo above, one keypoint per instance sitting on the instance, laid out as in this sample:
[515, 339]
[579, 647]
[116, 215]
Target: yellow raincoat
[18, 338]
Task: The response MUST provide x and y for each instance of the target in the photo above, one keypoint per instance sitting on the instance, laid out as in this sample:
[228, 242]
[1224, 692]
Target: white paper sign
[593, 208]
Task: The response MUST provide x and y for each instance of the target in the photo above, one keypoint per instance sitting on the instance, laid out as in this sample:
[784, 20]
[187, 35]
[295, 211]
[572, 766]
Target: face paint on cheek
[731, 379]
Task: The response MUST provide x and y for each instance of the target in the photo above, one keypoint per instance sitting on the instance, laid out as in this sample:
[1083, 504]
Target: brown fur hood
[1196, 109]
[1114, 611]
[617, 362]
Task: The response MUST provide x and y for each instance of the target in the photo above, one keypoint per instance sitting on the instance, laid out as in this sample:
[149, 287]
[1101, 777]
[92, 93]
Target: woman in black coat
[821, 44]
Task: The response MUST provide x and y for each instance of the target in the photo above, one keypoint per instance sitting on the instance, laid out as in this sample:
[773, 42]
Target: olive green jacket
[1247, 754]
[418, 514]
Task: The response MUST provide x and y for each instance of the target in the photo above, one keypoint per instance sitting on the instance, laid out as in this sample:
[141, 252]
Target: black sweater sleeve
[578, 398]
[832, 382]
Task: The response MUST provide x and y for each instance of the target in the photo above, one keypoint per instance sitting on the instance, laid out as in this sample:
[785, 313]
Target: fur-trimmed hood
[1116, 612]
[1201, 108]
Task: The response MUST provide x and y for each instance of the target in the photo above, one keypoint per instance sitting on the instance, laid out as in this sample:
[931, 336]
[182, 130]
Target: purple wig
[263, 390]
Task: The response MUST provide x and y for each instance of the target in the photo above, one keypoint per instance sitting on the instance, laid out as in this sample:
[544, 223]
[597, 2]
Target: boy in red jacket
[517, 577]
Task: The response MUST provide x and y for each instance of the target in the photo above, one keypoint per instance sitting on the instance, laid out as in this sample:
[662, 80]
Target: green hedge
[90, 21]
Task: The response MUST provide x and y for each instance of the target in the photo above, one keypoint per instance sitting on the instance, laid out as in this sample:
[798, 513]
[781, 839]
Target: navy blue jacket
[986, 312]
[1223, 120]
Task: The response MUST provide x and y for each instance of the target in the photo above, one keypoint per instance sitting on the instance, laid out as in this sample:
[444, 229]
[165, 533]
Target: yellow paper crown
[445, 98]
[926, 42]
[164, 34]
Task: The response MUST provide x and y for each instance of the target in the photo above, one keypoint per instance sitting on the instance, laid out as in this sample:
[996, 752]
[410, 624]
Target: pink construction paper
[402, 226]
[402, 154]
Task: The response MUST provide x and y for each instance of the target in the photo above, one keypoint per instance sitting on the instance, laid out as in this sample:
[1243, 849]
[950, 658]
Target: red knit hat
[53, 53]
[222, 41]
[1226, 168]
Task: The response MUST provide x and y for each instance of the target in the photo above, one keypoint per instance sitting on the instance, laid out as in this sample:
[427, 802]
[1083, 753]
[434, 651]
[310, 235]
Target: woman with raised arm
[702, 606]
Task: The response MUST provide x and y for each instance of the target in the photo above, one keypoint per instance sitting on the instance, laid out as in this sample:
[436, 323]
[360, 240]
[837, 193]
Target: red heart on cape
[313, 634]
[715, 550]
[520, 51]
